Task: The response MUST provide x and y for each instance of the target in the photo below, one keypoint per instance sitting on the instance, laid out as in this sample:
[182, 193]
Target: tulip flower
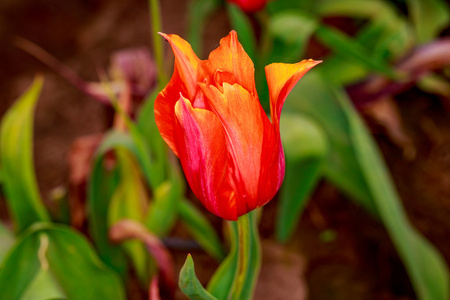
[250, 6]
[209, 114]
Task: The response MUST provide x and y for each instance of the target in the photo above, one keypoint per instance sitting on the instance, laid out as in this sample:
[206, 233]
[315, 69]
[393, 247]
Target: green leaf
[221, 282]
[386, 35]
[314, 97]
[305, 148]
[149, 132]
[293, 29]
[198, 13]
[56, 257]
[202, 231]
[101, 187]
[352, 8]
[425, 265]
[43, 286]
[7, 241]
[355, 165]
[162, 213]
[16, 160]
[350, 49]
[129, 201]
[223, 279]
[243, 26]
[429, 18]
[253, 258]
[189, 283]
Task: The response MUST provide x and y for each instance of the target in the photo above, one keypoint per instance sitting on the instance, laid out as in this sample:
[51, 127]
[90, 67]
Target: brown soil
[359, 263]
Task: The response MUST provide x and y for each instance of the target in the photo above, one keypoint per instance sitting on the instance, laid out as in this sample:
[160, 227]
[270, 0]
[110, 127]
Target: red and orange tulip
[210, 116]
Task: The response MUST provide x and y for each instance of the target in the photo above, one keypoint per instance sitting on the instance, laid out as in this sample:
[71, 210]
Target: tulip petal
[246, 127]
[186, 64]
[281, 78]
[232, 63]
[184, 81]
[202, 148]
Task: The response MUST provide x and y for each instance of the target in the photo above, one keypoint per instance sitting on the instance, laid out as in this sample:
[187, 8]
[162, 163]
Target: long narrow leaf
[130, 201]
[425, 265]
[16, 157]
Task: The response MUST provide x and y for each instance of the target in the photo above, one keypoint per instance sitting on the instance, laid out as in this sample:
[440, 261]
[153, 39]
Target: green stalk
[244, 246]
[158, 50]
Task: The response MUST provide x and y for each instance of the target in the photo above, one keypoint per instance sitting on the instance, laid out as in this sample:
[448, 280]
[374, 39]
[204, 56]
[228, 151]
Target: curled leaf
[128, 229]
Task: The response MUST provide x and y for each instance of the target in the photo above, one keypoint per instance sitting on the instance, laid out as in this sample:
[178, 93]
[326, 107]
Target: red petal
[229, 57]
[247, 128]
[202, 148]
[184, 81]
[281, 78]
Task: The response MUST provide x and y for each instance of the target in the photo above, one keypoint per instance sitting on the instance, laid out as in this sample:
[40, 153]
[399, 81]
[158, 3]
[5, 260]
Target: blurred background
[338, 250]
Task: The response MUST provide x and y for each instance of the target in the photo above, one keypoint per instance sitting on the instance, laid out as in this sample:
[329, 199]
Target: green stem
[158, 50]
[244, 237]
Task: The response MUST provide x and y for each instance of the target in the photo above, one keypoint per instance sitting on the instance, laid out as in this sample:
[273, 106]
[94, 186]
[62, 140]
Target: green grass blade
[16, 156]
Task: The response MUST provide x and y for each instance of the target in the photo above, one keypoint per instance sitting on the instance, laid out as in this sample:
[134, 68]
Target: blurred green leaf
[355, 165]
[305, 149]
[162, 213]
[201, 229]
[130, 201]
[189, 283]
[294, 30]
[149, 132]
[429, 18]
[101, 187]
[351, 49]
[7, 241]
[221, 282]
[425, 265]
[352, 8]
[198, 13]
[76, 270]
[243, 26]
[16, 160]
[314, 97]
[43, 287]
[386, 36]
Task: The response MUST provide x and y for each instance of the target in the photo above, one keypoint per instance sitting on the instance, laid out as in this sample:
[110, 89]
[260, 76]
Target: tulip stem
[158, 49]
[244, 251]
